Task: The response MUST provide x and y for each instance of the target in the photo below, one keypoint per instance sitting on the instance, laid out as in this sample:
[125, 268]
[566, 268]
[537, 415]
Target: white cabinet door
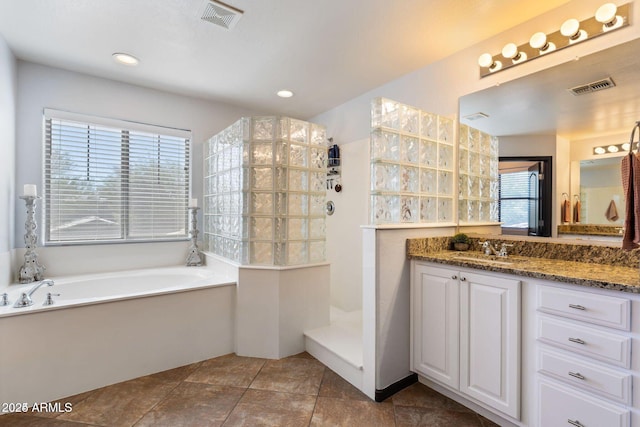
[490, 341]
[435, 303]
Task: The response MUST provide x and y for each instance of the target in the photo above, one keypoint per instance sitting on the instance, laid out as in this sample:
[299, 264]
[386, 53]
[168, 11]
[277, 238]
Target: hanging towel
[612, 212]
[566, 211]
[630, 168]
[576, 211]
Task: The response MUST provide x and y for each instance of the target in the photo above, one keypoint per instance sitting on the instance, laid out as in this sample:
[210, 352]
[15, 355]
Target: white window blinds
[114, 181]
[514, 199]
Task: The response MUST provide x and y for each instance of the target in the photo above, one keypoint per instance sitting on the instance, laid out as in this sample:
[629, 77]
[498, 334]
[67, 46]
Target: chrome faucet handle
[24, 301]
[5, 299]
[49, 300]
[503, 249]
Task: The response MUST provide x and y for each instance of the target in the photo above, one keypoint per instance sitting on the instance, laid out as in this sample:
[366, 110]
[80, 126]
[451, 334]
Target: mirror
[530, 114]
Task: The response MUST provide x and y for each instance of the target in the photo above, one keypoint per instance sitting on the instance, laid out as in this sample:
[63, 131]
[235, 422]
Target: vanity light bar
[607, 18]
[614, 148]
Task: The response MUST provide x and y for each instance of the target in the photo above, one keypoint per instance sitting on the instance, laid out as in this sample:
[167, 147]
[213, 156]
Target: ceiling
[541, 104]
[327, 51]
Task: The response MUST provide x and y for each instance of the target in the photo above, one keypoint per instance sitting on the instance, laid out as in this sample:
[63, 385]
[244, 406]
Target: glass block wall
[265, 180]
[412, 165]
[478, 177]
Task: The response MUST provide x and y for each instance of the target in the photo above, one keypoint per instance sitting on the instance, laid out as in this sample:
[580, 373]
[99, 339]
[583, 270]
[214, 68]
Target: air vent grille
[593, 87]
[221, 14]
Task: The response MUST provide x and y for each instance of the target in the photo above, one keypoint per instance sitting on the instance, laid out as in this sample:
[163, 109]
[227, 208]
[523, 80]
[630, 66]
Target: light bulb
[539, 41]
[612, 149]
[510, 51]
[599, 150]
[606, 15]
[626, 146]
[570, 28]
[485, 60]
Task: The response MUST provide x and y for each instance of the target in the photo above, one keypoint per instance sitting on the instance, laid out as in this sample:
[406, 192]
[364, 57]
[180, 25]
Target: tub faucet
[25, 299]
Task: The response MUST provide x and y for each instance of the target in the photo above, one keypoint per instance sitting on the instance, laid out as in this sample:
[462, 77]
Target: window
[114, 181]
[525, 195]
[514, 199]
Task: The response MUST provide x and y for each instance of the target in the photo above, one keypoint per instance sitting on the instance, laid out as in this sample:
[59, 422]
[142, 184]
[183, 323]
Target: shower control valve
[5, 299]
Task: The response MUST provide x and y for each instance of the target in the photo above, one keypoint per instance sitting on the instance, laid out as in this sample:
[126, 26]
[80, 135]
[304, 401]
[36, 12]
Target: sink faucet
[25, 299]
[488, 248]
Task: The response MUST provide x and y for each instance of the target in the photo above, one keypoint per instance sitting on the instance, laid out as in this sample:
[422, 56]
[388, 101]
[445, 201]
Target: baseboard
[389, 391]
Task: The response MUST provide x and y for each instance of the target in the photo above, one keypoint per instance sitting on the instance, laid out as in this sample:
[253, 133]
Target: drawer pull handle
[577, 306]
[463, 279]
[577, 375]
[575, 423]
[577, 341]
[454, 277]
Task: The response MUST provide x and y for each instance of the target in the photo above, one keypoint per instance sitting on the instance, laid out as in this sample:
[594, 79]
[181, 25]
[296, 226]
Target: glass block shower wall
[265, 180]
[478, 177]
[412, 165]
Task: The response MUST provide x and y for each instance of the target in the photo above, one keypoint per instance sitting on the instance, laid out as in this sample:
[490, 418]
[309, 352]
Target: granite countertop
[590, 274]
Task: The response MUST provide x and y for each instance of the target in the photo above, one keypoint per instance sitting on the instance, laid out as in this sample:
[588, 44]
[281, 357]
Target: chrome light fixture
[607, 18]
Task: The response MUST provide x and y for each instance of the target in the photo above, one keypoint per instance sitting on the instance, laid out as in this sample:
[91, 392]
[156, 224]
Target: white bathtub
[112, 327]
[114, 286]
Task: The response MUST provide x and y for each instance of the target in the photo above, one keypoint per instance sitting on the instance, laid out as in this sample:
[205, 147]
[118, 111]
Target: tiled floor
[242, 391]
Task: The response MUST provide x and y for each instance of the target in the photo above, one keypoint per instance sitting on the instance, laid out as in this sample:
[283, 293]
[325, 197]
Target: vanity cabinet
[584, 358]
[466, 333]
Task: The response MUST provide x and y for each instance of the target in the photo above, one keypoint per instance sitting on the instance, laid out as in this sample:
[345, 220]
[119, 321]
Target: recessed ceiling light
[285, 93]
[125, 58]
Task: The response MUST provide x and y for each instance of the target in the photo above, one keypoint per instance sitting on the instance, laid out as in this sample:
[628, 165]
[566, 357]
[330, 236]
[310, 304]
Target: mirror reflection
[542, 115]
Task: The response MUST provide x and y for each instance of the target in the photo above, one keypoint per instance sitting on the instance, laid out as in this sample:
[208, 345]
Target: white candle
[30, 190]
[193, 203]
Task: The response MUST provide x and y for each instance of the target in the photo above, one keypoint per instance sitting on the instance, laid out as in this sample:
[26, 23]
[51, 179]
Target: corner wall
[8, 96]
[40, 87]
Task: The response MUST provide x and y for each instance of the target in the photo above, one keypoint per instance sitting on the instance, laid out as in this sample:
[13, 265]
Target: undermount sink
[487, 259]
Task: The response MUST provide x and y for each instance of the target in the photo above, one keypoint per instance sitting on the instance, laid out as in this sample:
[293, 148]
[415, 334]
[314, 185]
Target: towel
[630, 168]
[565, 211]
[576, 211]
[612, 212]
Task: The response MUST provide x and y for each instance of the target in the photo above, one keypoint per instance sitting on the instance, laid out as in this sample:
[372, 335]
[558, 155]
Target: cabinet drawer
[591, 377]
[605, 346]
[602, 310]
[560, 406]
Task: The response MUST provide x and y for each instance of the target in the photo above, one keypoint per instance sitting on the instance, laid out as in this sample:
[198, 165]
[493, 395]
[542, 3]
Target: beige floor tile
[178, 374]
[352, 413]
[229, 370]
[193, 405]
[422, 396]
[25, 420]
[270, 408]
[120, 404]
[290, 375]
[333, 385]
[429, 417]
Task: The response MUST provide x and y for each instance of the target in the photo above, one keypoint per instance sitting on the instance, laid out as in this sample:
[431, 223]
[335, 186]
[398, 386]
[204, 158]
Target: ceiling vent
[593, 87]
[221, 14]
[476, 116]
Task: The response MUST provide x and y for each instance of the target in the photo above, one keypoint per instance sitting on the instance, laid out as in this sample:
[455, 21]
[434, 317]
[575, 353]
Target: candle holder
[194, 259]
[31, 270]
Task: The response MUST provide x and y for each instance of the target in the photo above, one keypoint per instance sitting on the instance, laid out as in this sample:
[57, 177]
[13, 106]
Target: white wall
[344, 239]
[8, 89]
[42, 87]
